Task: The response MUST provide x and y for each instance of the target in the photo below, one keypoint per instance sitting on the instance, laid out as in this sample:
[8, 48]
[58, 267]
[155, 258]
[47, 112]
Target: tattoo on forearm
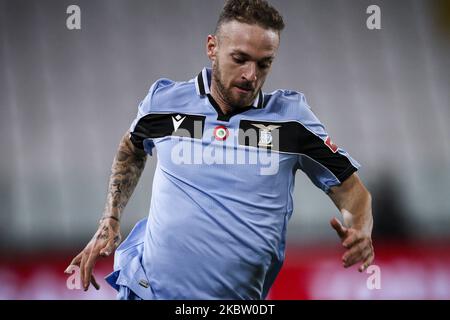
[103, 234]
[126, 171]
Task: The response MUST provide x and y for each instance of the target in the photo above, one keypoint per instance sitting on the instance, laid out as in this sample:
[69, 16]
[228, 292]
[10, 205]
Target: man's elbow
[366, 195]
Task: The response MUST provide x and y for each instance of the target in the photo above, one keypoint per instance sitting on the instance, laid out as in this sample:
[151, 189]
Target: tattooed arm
[127, 168]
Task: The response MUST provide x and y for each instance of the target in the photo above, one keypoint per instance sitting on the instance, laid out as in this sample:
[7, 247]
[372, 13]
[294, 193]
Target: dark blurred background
[67, 97]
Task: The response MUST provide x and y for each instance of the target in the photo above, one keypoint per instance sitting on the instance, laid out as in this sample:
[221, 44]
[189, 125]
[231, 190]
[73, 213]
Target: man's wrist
[110, 217]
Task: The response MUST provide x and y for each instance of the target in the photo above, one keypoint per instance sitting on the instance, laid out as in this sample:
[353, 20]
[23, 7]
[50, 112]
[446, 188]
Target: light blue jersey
[222, 191]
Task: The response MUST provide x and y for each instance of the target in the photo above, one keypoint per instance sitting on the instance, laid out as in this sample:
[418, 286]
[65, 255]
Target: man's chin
[242, 102]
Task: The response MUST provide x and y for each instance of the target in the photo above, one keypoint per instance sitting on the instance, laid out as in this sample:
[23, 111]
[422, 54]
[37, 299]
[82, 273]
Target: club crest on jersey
[265, 134]
[221, 133]
[329, 143]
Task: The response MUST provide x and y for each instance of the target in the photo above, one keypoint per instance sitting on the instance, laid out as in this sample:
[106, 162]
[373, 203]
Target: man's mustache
[245, 85]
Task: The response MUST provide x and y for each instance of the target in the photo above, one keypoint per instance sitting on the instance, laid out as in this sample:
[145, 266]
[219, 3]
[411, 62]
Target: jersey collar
[203, 82]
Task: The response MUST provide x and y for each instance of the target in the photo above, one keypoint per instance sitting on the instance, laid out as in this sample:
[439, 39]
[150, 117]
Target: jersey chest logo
[265, 134]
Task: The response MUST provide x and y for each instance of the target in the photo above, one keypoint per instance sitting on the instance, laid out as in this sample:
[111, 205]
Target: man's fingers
[340, 229]
[75, 262]
[110, 246]
[77, 259]
[94, 283]
[357, 253]
[82, 271]
[88, 267]
[351, 240]
[367, 261]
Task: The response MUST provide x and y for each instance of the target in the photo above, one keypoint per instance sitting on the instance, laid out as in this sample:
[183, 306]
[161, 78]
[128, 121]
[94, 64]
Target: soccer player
[222, 191]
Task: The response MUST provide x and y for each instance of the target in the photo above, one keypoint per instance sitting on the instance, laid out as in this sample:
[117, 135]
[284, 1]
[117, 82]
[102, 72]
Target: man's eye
[238, 60]
[265, 65]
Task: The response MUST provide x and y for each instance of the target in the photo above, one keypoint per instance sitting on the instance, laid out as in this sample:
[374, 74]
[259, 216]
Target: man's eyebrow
[247, 56]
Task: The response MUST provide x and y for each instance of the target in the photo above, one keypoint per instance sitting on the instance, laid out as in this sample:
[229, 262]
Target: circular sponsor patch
[221, 133]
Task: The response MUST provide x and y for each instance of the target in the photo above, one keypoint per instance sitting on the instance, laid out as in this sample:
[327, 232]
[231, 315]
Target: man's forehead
[248, 36]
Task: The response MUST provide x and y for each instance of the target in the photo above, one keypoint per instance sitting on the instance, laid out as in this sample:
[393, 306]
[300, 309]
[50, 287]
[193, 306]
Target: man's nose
[250, 72]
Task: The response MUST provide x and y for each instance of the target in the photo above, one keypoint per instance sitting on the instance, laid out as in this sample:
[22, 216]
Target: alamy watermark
[373, 22]
[226, 146]
[374, 280]
[73, 281]
[73, 21]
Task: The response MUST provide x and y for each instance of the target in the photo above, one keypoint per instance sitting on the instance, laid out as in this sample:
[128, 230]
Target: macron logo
[177, 121]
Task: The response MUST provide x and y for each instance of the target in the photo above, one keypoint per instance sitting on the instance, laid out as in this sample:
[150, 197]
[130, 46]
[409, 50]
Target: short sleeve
[325, 163]
[139, 129]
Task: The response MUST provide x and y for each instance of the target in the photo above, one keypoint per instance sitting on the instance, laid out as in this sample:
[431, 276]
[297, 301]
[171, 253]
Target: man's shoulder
[288, 103]
[286, 96]
[168, 86]
[165, 90]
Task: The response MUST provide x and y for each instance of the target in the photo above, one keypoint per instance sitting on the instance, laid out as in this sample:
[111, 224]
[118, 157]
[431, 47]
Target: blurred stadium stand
[66, 98]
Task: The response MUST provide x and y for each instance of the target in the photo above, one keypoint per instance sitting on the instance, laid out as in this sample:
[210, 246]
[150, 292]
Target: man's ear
[211, 47]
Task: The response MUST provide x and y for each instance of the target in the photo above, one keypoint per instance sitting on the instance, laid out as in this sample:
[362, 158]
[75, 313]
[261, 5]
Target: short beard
[225, 94]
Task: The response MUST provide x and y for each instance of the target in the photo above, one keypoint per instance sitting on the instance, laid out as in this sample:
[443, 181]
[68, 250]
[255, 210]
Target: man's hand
[358, 244]
[105, 241]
